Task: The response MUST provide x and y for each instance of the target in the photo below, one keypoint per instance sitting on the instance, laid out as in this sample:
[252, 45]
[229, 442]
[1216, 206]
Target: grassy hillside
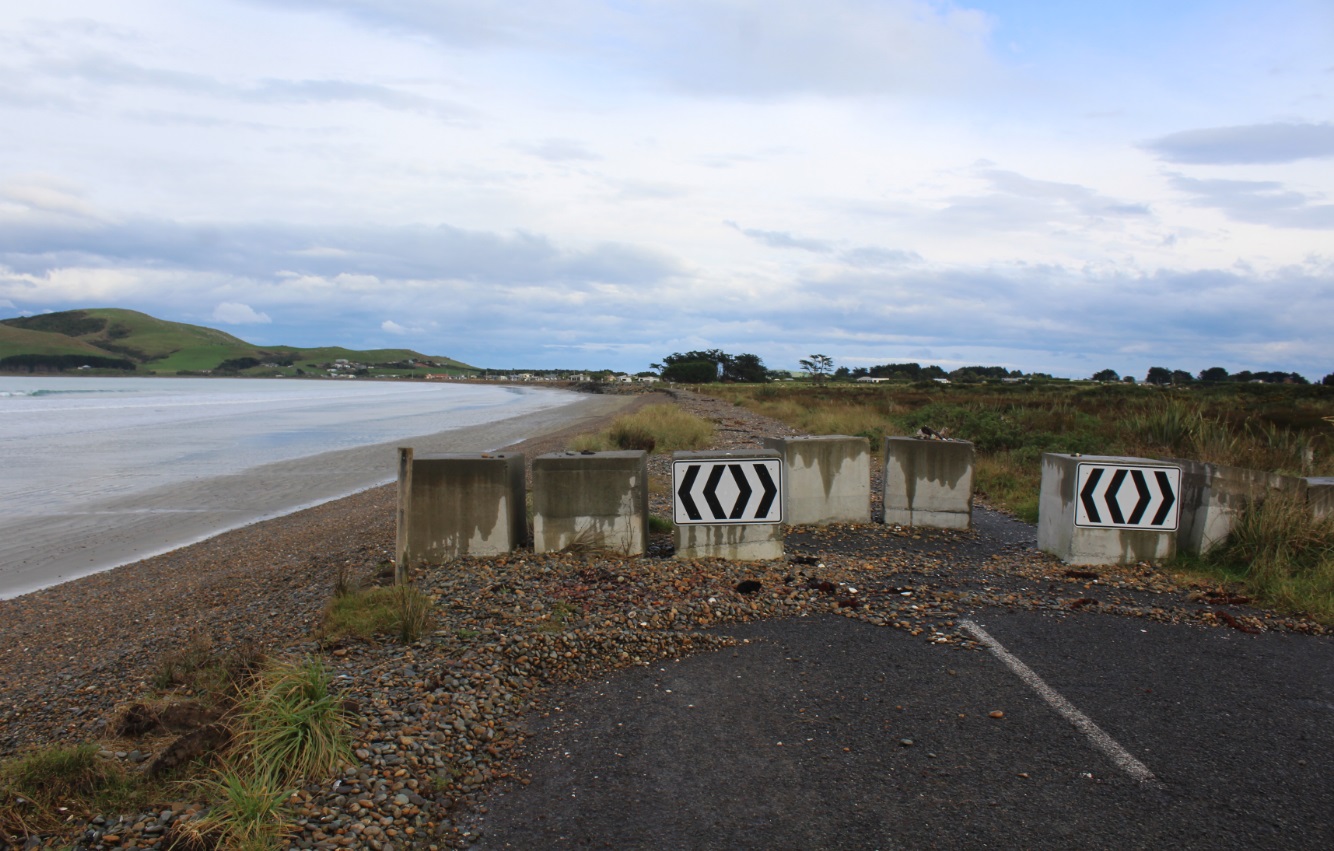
[157, 346]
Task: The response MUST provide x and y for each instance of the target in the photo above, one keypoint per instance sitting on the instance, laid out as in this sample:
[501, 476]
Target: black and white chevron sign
[1125, 496]
[727, 491]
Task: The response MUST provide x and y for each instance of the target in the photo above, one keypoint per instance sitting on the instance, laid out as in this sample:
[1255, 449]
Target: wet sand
[119, 531]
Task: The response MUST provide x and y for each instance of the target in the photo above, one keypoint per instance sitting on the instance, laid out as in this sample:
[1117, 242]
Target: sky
[1047, 186]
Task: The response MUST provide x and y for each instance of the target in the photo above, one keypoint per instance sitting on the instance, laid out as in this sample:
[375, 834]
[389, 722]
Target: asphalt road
[827, 732]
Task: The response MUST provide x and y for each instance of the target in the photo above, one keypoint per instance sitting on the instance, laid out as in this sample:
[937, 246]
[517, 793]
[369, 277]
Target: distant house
[869, 380]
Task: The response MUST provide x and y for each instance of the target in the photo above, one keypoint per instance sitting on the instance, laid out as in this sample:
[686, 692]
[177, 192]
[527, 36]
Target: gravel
[445, 719]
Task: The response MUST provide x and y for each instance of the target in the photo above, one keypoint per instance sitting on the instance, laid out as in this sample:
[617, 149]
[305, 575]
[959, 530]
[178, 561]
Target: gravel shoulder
[451, 719]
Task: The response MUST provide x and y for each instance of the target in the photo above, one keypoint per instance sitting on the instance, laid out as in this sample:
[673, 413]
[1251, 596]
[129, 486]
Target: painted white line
[1082, 722]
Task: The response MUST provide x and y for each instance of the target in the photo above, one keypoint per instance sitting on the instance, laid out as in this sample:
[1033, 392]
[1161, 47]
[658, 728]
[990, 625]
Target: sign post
[728, 505]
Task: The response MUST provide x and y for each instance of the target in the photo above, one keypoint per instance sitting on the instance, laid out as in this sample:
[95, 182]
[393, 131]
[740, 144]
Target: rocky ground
[443, 720]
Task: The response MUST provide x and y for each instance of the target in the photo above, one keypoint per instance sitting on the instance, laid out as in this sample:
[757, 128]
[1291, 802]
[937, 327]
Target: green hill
[126, 340]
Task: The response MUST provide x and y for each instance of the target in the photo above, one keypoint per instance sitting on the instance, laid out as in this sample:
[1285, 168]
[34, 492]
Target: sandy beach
[120, 530]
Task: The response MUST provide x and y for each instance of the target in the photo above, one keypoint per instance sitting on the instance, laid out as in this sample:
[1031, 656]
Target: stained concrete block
[459, 505]
[1213, 496]
[735, 541]
[1320, 496]
[595, 500]
[929, 483]
[1058, 534]
[828, 479]
[752, 542]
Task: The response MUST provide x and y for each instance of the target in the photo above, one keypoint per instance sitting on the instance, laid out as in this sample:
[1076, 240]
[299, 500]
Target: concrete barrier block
[737, 543]
[928, 483]
[460, 505]
[1320, 495]
[595, 500]
[1213, 497]
[1059, 535]
[828, 478]
[754, 530]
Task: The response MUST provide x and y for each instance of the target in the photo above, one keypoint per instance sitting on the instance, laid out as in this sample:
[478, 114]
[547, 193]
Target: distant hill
[128, 341]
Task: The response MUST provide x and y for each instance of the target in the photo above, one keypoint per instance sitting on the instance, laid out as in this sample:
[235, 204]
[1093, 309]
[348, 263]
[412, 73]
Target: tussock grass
[656, 428]
[293, 727]
[216, 675]
[401, 610]
[249, 813]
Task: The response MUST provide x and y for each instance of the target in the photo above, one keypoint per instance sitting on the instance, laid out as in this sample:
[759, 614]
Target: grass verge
[47, 788]
[656, 428]
[401, 610]
[1280, 553]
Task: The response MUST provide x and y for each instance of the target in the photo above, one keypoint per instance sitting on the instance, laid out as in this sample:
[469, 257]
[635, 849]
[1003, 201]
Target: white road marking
[1082, 722]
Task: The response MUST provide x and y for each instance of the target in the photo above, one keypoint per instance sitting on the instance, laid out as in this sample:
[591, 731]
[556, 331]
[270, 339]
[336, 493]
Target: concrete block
[751, 542]
[929, 483]
[1320, 495]
[1058, 534]
[1213, 497]
[460, 505]
[596, 500]
[827, 479]
[739, 540]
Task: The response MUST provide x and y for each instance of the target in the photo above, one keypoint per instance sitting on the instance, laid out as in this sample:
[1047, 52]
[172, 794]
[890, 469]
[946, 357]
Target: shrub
[294, 727]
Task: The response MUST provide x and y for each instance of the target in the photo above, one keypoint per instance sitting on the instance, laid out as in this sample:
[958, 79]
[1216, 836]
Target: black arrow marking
[770, 490]
[1086, 495]
[1114, 507]
[743, 492]
[711, 492]
[1145, 497]
[1169, 498]
[687, 501]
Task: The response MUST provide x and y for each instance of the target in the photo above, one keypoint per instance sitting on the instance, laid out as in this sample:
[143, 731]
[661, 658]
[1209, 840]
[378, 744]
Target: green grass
[249, 813]
[293, 726]
[401, 610]
[43, 789]
[661, 427]
[1281, 554]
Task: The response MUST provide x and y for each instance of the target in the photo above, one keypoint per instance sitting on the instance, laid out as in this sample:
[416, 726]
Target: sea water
[68, 442]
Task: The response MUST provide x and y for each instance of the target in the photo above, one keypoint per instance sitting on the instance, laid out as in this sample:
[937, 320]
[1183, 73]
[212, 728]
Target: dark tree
[1213, 374]
[1328, 380]
[1180, 376]
[1158, 375]
[1106, 375]
[691, 372]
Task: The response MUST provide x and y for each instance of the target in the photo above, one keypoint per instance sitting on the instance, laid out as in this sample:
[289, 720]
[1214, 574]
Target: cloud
[561, 150]
[393, 327]
[1264, 202]
[235, 313]
[264, 251]
[781, 239]
[1246, 145]
[746, 48]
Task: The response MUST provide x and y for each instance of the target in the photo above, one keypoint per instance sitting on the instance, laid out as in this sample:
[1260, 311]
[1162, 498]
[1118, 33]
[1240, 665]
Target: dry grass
[661, 427]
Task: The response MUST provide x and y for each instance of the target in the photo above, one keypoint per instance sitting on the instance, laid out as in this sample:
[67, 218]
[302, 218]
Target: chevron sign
[727, 491]
[1124, 496]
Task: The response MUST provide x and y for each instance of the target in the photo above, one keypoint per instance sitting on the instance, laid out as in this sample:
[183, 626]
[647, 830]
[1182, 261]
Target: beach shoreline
[70, 652]
[120, 531]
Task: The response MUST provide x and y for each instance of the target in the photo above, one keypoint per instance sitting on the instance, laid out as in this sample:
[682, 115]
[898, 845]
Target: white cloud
[235, 313]
[393, 327]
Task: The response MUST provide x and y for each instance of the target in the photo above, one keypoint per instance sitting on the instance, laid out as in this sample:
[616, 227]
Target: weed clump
[401, 610]
[657, 428]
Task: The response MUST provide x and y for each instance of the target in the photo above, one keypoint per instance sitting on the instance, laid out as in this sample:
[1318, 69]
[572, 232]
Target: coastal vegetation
[1282, 555]
[658, 427]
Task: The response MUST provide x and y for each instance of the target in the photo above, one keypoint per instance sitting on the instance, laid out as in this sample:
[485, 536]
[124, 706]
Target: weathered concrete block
[740, 539]
[751, 542]
[1213, 497]
[828, 479]
[596, 500]
[929, 483]
[458, 505]
[1320, 495]
[1058, 534]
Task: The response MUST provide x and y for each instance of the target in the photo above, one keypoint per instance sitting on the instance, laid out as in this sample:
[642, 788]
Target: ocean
[96, 472]
[66, 442]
